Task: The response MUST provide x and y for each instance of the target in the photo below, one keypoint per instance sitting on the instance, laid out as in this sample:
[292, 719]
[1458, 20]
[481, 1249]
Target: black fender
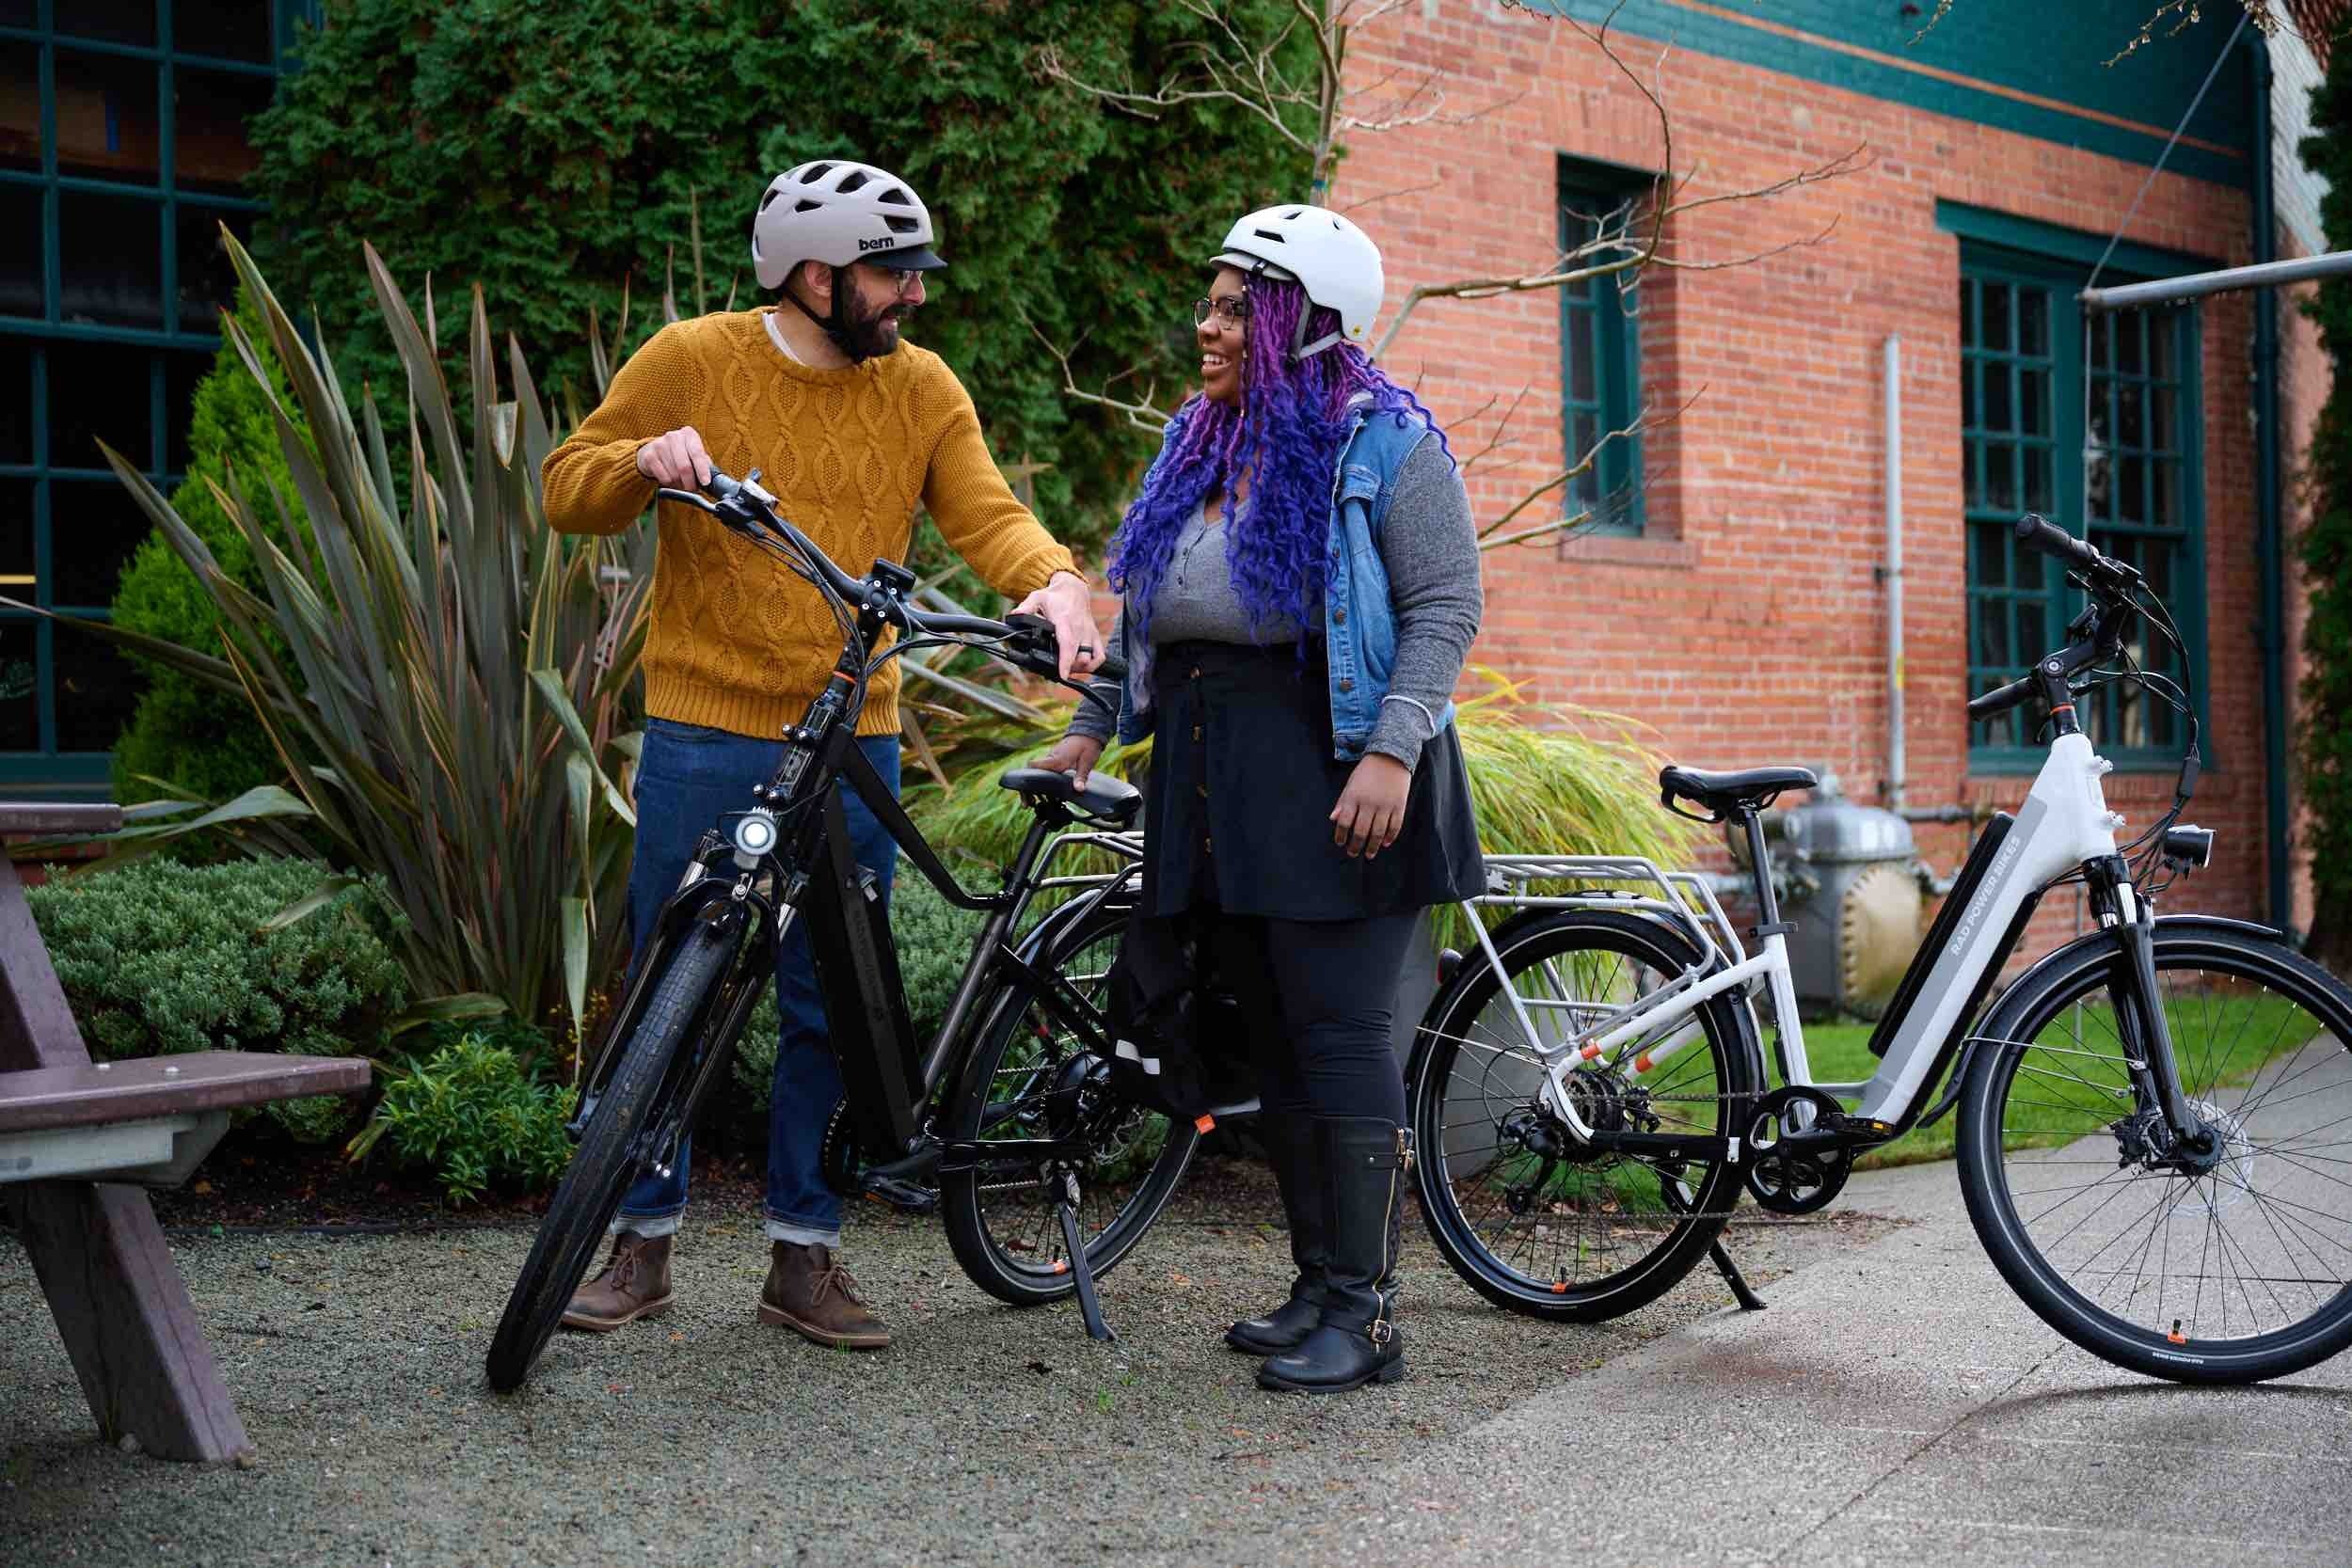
[2166, 926]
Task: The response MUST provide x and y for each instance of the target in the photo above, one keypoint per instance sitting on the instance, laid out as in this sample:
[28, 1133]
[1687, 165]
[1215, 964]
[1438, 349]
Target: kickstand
[1090, 1306]
[1749, 1301]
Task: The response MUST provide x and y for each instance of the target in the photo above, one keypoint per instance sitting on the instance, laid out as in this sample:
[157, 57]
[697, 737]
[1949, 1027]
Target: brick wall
[1747, 623]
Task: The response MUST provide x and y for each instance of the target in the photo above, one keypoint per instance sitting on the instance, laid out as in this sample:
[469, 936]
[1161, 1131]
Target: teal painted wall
[2053, 48]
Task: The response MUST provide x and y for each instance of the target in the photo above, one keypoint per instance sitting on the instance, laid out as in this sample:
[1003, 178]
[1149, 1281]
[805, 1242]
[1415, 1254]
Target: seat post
[1767, 907]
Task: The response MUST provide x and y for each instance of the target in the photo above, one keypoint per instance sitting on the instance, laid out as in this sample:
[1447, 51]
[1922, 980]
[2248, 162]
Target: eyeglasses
[902, 280]
[1234, 308]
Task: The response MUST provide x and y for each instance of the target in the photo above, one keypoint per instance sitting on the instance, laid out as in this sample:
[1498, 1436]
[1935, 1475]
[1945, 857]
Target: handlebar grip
[2038, 532]
[1999, 700]
[1113, 668]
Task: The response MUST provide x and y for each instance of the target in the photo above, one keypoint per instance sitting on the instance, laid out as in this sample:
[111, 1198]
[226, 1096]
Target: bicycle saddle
[1104, 800]
[1729, 794]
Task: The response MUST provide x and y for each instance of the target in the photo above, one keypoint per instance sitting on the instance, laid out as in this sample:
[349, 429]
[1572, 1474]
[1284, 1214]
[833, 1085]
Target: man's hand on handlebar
[676, 460]
[1068, 603]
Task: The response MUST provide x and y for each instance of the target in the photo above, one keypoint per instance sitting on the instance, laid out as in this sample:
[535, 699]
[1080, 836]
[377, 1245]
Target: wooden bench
[65, 1123]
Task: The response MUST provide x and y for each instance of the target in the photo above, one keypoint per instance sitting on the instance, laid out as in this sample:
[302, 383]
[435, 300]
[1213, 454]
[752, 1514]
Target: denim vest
[1358, 620]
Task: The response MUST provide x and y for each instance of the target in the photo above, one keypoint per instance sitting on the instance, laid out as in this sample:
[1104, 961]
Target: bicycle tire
[1607, 1203]
[595, 1180]
[2067, 1117]
[1030, 1268]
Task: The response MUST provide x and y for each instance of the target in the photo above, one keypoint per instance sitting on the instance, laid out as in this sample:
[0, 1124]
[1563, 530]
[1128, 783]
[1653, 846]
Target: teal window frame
[40, 338]
[2025, 600]
[1600, 357]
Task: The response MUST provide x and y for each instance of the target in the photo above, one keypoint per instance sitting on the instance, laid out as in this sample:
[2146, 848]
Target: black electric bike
[1008, 1123]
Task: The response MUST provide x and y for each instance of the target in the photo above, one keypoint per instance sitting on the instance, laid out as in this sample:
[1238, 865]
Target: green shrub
[550, 152]
[454, 685]
[472, 1114]
[202, 738]
[934, 942]
[157, 957]
[2325, 725]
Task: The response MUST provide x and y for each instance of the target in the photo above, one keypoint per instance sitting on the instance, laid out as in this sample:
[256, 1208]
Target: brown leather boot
[809, 1292]
[635, 1284]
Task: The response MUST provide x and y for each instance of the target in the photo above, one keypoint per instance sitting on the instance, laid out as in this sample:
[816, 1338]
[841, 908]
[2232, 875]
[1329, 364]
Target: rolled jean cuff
[646, 1226]
[803, 1235]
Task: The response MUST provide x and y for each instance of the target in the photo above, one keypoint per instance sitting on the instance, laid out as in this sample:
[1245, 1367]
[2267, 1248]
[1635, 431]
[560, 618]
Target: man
[852, 430]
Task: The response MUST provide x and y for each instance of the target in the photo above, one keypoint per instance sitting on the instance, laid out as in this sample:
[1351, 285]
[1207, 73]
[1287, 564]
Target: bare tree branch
[1648, 419]
[1385, 196]
[1142, 416]
[1502, 426]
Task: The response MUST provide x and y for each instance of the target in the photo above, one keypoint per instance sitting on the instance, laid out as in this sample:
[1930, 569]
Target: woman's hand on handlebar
[1068, 603]
[1074, 755]
[677, 460]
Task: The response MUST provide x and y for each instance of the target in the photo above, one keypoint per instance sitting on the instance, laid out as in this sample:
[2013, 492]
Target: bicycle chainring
[1784, 1175]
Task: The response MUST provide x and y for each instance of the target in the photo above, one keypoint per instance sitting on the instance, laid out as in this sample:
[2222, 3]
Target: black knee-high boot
[1356, 1341]
[1291, 1148]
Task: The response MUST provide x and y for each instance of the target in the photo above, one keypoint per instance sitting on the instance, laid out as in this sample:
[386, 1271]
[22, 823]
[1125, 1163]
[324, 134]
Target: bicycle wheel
[601, 1167]
[1528, 1215]
[1029, 1077]
[2232, 1273]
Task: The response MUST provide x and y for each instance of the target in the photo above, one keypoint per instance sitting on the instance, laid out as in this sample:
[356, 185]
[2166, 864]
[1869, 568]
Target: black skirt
[1237, 810]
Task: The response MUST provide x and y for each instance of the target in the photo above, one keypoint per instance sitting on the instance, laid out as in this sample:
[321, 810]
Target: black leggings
[1320, 1000]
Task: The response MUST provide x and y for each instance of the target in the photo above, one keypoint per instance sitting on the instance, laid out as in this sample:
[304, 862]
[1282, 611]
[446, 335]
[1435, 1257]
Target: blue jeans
[687, 777]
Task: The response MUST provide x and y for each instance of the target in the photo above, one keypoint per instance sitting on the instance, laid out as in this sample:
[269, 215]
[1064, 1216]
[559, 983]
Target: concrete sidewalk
[1895, 1403]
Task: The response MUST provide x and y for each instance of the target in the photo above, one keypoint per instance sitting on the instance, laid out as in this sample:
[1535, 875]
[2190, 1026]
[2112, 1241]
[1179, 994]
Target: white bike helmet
[1335, 262]
[837, 212]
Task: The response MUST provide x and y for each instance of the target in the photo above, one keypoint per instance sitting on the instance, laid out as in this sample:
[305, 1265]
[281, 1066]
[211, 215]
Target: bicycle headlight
[756, 834]
[2187, 847]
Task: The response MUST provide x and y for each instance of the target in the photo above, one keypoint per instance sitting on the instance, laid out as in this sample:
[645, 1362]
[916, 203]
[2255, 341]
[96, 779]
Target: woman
[1299, 577]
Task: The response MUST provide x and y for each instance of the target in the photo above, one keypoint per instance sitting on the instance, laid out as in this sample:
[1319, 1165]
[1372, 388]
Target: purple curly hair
[1286, 436]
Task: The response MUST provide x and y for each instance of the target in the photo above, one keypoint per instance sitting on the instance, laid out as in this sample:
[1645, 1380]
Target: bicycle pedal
[906, 1196]
[1862, 1127]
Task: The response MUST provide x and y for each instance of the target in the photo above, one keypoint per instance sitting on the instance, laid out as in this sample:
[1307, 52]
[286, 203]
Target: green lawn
[2214, 1045]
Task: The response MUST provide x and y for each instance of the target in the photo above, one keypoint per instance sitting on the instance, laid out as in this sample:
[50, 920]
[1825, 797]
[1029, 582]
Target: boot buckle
[1381, 1331]
[1405, 1148]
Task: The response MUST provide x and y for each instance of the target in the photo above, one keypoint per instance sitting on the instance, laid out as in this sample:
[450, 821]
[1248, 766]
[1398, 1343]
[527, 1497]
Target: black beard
[867, 336]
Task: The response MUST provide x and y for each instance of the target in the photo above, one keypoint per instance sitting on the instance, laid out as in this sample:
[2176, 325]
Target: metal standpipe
[1897, 764]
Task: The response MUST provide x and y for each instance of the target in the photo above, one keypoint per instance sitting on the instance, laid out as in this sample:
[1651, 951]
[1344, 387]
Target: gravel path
[986, 1437]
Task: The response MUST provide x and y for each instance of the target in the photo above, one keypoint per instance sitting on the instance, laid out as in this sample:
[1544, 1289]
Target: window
[2093, 421]
[1600, 349]
[122, 151]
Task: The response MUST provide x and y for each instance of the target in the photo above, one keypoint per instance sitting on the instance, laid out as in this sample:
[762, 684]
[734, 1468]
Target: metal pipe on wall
[1897, 763]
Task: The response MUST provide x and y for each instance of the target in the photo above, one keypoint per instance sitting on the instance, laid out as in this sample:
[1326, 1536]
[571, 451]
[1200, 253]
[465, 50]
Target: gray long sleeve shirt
[1429, 548]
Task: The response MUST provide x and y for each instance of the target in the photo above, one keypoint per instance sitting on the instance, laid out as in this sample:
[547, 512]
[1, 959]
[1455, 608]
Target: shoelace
[835, 1278]
[623, 1269]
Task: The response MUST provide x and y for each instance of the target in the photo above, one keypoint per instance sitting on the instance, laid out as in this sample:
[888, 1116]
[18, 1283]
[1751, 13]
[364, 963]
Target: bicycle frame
[2063, 824]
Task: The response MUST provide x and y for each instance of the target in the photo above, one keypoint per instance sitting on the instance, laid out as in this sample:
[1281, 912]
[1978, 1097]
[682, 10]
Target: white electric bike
[2156, 1120]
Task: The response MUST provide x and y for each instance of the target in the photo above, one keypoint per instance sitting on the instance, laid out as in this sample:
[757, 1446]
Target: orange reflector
[1559, 1287]
[1061, 1265]
[1642, 1063]
[1589, 1052]
[1203, 1122]
[2177, 1337]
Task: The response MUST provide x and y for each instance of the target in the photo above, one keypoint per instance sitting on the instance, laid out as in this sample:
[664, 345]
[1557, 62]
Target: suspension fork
[2140, 1021]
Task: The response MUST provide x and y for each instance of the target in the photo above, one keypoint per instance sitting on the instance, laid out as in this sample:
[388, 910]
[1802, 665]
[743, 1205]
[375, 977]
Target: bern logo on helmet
[887, 243]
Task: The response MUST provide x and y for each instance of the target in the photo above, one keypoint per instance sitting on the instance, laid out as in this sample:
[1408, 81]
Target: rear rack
[1680, 898]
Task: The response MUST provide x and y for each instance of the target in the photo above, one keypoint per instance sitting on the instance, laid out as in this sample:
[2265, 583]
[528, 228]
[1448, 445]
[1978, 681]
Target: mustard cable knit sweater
[737, 643]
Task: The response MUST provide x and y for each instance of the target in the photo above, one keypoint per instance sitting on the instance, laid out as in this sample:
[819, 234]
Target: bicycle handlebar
[2110, 583]
[743, 507]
